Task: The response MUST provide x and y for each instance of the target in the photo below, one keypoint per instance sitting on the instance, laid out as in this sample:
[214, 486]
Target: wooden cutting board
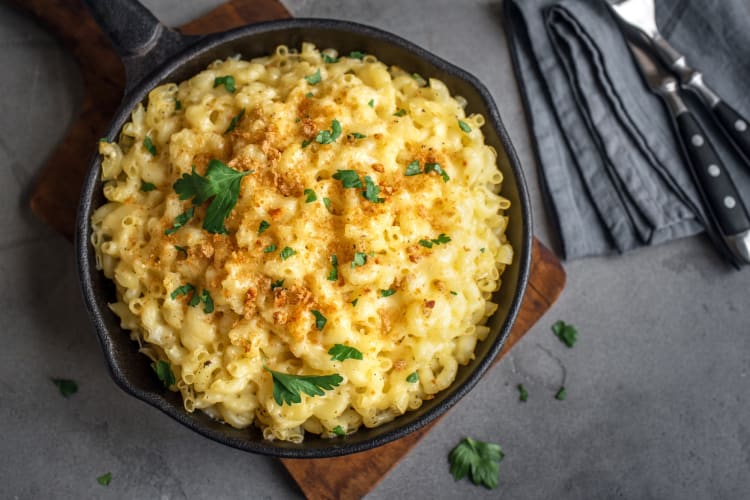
[55, 198]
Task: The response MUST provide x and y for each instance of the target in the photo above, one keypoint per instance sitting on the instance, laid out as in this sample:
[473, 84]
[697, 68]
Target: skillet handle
[140, 39]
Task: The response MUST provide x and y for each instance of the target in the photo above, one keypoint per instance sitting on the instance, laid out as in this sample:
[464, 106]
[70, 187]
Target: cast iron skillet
[152, 55]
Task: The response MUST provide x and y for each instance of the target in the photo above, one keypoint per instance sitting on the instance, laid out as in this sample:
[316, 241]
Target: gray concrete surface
[658, 399]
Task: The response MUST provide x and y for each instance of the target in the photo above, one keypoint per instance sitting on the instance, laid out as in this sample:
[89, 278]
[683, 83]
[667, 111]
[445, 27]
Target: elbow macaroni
[432, 322]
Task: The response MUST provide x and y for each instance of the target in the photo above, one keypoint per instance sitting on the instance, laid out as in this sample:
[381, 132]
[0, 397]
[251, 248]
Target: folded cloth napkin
[611, 167]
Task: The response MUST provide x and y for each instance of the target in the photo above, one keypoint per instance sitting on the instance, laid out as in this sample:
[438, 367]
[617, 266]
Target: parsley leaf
[310, 196]
[454, 292]
[334, 274]
[181, 220]
[177, 105]
[478, 459]
[181, 249]
[235, 120]
[164, 372]
[66, 386]
[287, 388]
[561, 394]
[222, 183]
[340, 352]
[435, 167]
[387, 293]
[482, 249]
[419, 79]
[400, 112]
[348, 178]
[326, 136]
[263, 226]
[330, 60]
[339, 431]
[464, 126]
[147, 186]
[149, 145]
[360, 259]
[357, 135]
[104, 479]
[182, 290]
[227, 81]
[413, 168]
[277, 284]
[309, 95]
[306, 143]
[195, 299]
[269, 248]
[287, 252]
[314, 78]
[565, 332]
[413, 378]
[208, 302]
[357, 55]
[425, 243]
[354, 302]
[523, 393]
[327, 203]
[371, 191]
[371, 103]
[320, 320]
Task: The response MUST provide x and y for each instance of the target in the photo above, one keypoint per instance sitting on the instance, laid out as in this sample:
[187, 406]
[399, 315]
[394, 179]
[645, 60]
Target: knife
[719, 193]
[638, 17]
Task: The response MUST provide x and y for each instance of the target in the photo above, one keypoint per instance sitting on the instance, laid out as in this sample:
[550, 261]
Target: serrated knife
[714, 182]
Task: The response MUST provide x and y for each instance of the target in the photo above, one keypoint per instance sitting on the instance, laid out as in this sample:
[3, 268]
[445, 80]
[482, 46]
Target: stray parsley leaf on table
[480, 460]
[568, 334]
[523, 393]
[66, 386]
[222, 183]
[104, 479]
[340, 352]
[561, 394]
[287, 388]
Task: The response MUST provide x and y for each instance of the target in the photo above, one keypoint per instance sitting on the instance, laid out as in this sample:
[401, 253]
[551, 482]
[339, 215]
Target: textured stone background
[657, 401]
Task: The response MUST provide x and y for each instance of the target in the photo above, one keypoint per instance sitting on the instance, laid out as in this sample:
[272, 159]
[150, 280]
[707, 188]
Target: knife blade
[717, 189]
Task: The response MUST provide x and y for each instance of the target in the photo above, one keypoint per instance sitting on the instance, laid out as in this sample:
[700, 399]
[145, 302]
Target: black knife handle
[736, 127]
[713, 179]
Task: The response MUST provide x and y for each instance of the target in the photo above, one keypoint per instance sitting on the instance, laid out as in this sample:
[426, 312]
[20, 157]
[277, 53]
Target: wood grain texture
[353, 476]
[55, 199]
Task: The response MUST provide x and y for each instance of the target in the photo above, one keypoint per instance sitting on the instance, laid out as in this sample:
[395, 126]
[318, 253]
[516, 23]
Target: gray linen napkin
[611, 167]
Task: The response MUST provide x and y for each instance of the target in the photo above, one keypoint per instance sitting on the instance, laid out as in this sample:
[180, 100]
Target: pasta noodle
[369, 217]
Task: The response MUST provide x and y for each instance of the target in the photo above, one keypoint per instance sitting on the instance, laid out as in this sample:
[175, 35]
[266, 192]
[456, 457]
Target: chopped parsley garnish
[320, 320]
[329, 136]
[360, 259]
[287, 388]
[330, 60]
[348, 178]
[419, 79]
[221, 183]
[413, 168]
[357, 55]
[480, 460]
[354, 302]
[263, 226]
[413, 378]
[561, 394]
[208, 302]
[147, 186]
[227, 81]
[270, 248]
[310, 195]
[314, 78]
[177, 105]
[104, 139]
[425, 243]
[339, 431]
[464, 126]
[565, 332]
[181, 220]
[387, 293]
[277, 284]
[482, 249]
[149, 145]
[164, 371]
[104, 479]
[195, 299]
[371, 191]
[287, 252]
[371, 103]
[454, 292]
[333, 275]
[523, 394]
[182, 290]
[309, 95]
[441, 239]
[340, 352]
[327, 203]
[435, 167]
[66, 386]
[235, 120]
[400, 112]
[357, 135]
[306, 143]
[181, 249]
